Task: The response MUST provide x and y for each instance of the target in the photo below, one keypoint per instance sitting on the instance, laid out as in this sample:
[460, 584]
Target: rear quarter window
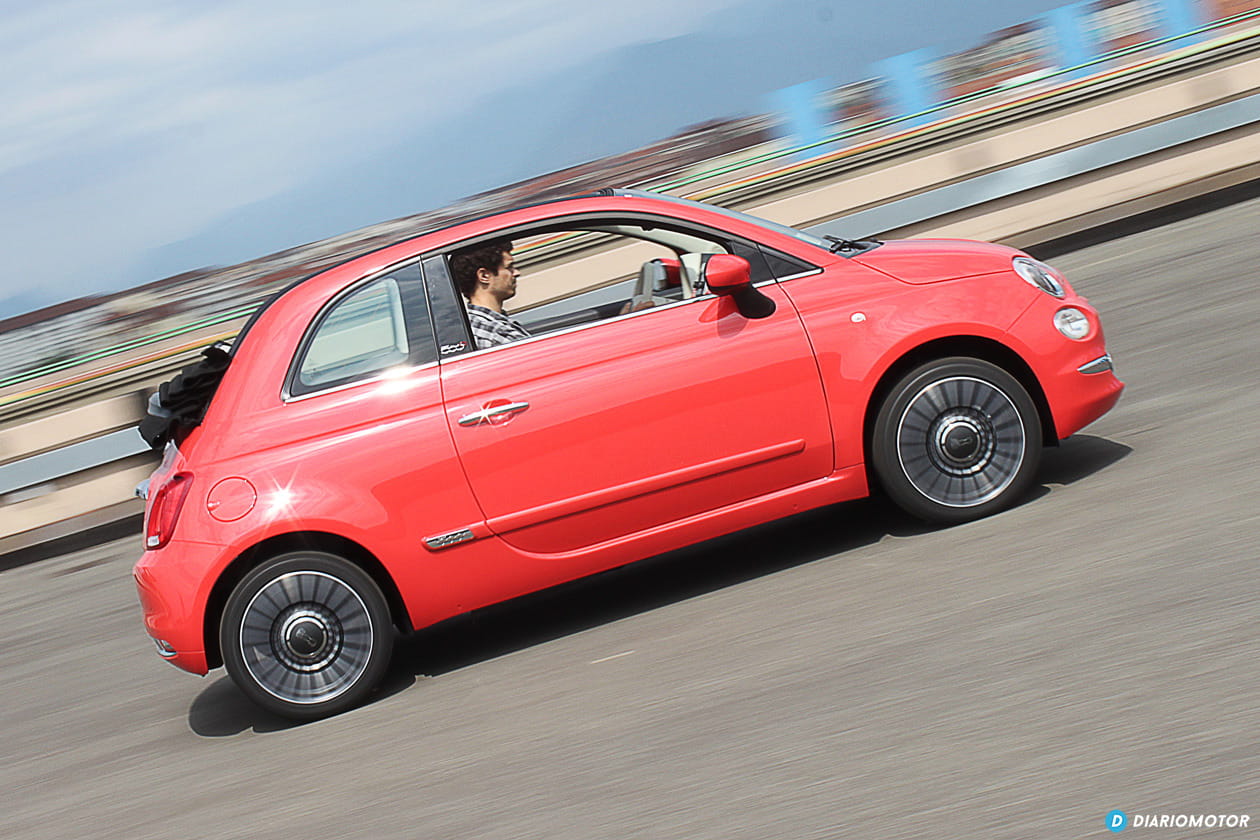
[380, 325]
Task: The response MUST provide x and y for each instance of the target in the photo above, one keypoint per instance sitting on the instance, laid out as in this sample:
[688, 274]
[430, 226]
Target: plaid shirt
[492, 328]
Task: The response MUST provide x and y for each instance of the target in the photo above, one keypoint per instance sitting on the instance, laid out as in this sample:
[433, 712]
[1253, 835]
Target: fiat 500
[363, 462]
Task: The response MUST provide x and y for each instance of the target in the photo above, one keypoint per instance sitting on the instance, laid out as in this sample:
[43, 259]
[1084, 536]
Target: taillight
[164, 510]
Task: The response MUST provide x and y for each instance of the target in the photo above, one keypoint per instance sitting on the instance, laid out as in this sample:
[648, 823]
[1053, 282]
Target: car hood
[933, 260]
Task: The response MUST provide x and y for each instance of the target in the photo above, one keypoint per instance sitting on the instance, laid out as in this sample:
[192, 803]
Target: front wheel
[306, 635]
[956, 439]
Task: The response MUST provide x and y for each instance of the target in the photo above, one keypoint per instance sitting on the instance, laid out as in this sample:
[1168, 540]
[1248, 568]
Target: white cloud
[117, 70]
[148, 119]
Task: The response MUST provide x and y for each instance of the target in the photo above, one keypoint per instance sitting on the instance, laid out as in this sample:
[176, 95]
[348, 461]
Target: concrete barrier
[66, 472]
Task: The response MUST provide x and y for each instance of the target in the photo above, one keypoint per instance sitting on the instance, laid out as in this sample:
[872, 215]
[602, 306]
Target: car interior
[672, 277]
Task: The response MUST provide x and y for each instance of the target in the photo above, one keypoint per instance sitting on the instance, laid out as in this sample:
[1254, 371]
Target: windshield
[735, 214]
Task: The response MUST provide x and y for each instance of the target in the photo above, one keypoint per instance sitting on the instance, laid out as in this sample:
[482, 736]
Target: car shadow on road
[1079, 457]
[221, 710]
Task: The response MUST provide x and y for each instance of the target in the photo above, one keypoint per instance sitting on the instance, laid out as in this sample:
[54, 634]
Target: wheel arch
[256, 555]
[976, 347]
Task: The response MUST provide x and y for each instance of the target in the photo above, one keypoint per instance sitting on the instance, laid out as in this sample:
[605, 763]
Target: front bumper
[1077, 377]
[1089, 396]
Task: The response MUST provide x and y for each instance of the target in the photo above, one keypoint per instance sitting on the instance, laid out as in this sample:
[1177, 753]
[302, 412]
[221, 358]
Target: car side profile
[356, 466]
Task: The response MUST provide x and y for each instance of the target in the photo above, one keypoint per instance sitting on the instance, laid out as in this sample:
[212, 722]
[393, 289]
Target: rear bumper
[172, 584]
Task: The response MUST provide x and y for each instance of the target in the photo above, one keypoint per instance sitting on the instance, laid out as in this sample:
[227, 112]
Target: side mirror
[730, 276]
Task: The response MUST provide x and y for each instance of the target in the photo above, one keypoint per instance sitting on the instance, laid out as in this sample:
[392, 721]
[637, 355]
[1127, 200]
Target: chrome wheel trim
[306, 637]
[960, 441]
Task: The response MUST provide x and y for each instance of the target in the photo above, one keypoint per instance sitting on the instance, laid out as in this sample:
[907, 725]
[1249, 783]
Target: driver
[486, 275]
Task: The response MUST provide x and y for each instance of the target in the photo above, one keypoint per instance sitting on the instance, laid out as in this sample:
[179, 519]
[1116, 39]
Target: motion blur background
[143, 138]
[146, 141]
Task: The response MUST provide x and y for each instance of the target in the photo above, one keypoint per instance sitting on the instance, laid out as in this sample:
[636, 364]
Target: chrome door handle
[484, 416]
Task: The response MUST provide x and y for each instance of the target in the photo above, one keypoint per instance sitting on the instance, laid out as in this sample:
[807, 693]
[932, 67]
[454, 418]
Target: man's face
[502, 284]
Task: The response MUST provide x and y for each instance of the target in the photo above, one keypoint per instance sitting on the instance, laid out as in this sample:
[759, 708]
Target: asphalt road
[843, 674]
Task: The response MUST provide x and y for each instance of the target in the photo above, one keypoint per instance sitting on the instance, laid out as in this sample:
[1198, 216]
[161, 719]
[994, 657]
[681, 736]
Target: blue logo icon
[1116, 821]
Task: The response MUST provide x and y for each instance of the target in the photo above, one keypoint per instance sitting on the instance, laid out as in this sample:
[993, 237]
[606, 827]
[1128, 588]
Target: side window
[769, 265]
[759, 268]
[783, 266]
[592, 269]
[377, 326]
[623, 273]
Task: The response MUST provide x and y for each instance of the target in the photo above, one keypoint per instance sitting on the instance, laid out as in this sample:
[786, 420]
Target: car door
[589, 435]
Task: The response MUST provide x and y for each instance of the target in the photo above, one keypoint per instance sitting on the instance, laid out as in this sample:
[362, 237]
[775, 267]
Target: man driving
[486, 275]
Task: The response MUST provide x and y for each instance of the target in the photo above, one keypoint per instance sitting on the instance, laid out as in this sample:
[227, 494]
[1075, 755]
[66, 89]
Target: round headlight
[1038, 274]
[1072, 322]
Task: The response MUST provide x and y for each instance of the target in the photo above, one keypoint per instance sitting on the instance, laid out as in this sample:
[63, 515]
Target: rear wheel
[956, 439]
[306, 635]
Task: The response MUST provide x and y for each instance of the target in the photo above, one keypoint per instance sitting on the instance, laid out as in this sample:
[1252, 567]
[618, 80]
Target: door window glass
[588, 269]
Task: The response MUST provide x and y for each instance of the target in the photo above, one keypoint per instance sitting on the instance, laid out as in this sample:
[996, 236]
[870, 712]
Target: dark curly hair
[466, 262]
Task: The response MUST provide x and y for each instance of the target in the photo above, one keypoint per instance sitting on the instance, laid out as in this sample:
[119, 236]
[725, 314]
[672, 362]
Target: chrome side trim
[1100, 365]
[796, 276]
[463, 535]
[395, 373]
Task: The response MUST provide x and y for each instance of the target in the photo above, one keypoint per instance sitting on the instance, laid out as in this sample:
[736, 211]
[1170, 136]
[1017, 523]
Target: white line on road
[614, 656]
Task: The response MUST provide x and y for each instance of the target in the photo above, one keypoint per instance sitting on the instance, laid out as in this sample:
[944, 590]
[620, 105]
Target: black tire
[956, 439]
[306, 635]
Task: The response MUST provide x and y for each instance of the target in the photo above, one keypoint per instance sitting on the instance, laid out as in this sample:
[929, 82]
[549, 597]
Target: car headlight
[1072, 322]
[1038, 274]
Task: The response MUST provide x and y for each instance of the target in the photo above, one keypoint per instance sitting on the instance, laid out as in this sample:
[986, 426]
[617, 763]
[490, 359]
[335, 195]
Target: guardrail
[87, 459]
[1050, 169]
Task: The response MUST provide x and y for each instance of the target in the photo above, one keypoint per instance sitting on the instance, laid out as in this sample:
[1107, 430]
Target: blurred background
[145, 142]
[166, 168]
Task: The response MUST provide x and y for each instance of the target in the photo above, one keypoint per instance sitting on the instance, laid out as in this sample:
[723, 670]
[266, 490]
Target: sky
[140, 139]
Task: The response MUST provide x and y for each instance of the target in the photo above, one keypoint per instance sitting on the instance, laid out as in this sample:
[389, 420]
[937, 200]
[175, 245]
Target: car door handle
[486, 414]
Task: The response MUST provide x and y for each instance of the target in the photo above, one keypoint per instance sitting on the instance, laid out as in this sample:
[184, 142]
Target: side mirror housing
[730, 276]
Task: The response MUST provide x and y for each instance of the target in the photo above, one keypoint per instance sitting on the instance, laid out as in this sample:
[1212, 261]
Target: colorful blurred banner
[1222, 9]
[859, 104]
[1120, 24]
[1015, 53]
[1065, 44]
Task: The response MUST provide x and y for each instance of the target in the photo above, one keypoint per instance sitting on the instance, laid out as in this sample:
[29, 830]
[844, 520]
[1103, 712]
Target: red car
[358, 465]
